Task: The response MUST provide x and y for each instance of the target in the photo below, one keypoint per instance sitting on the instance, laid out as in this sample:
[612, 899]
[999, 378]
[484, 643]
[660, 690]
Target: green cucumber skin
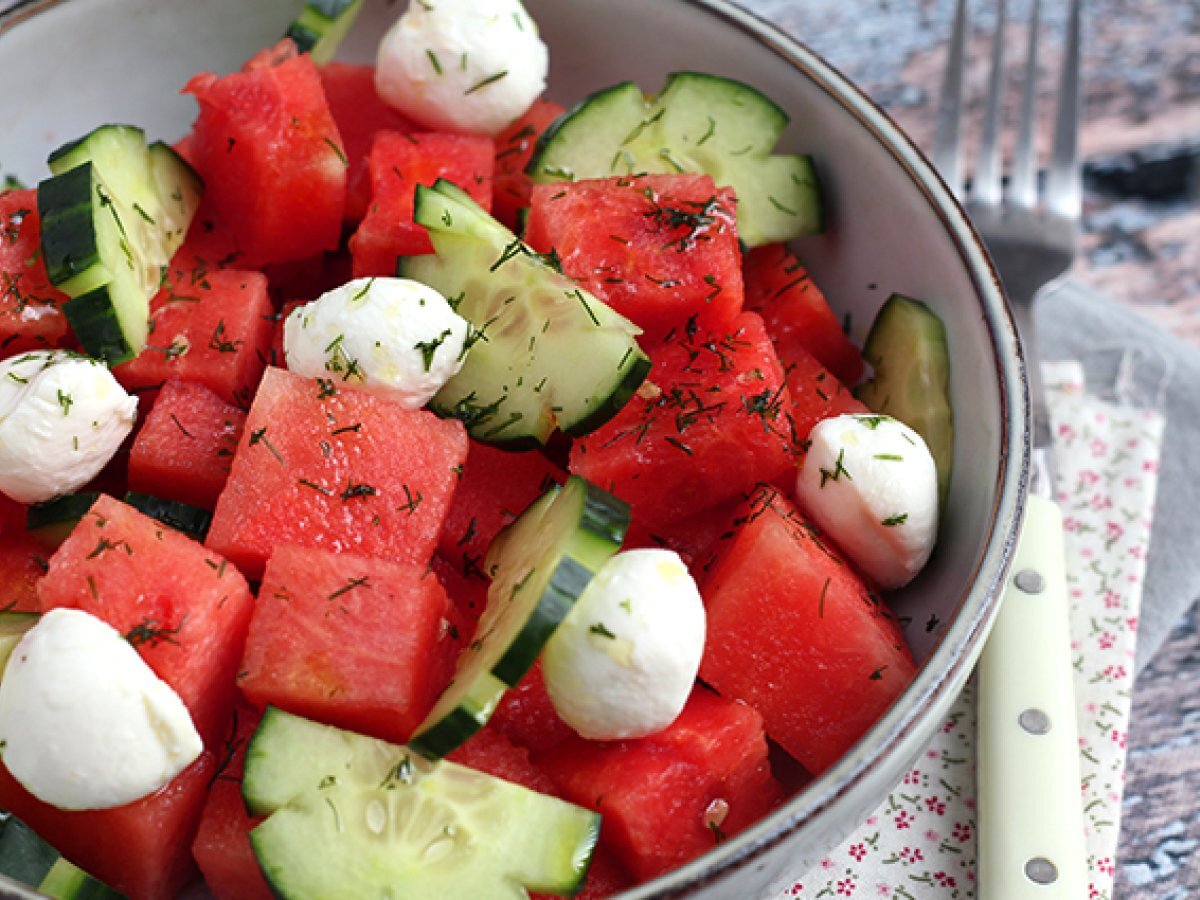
[26, 858]
[303, 774]
[618, 131]
[93, 314]
[540, 564]
[65, 510]
[498, 394]
[917, 390]
[191, 520]
[69, 247]
[321, 27]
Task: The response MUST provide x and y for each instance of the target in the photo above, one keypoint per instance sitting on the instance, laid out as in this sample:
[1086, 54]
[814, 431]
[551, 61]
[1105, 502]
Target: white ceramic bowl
[71, 64]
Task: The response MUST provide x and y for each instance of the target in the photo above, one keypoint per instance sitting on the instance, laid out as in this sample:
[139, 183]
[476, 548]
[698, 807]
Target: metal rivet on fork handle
[1040, 870]
[1030, 582]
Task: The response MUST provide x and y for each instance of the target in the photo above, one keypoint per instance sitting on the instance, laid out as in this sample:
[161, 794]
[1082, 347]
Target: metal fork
[1031, 840]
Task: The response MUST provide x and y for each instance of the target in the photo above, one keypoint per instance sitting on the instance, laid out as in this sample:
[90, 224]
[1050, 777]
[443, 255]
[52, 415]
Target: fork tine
[1022, 186]
[985, 186]
[1062, 184]
[947, 150]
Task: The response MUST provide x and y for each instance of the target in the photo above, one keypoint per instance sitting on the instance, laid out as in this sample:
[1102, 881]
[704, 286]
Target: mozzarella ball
[624, 661]
[391, 336]
[870, 483]
[462, 65]
[84, 722]
[62, 418]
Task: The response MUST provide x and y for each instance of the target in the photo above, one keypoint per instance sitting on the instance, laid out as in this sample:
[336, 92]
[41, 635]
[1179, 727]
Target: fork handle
[1031, 840]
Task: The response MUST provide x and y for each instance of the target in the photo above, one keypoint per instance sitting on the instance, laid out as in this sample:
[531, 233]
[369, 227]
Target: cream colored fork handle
[1031, 844]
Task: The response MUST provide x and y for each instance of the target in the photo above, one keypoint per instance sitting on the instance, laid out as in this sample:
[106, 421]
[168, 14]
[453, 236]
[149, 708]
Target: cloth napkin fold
[920, 843]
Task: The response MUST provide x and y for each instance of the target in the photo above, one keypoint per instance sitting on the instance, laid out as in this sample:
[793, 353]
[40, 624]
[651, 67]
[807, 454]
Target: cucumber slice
[53, 520]
[113, 214]
[368, 819]
[906, 347]
[321, 26]
[191, 520]
[26, 858]
[13, 626]
[545, 353]
[698, 123]
[315, 756]
[540, 565]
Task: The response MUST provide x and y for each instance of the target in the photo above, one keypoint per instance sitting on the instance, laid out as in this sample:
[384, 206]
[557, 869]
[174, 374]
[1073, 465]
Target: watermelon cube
[398, 163]
[662, 250]
[365, 644]
[184, 608]
[337, 468]
[489, 750]
[184, 450]
[795, 633]
[796, 313]
[222, 846]
[272, 160]
[496, 486]
[359, 114]
[713, 419]
[527, 715]
[671, 796]
[214, 330]
[142, 849]
[31, 315]
[816, 393]
[514, 147]
[22, 565]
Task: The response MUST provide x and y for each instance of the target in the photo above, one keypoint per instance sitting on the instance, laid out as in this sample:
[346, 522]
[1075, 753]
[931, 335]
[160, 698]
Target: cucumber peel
[353, 816]
[698, 123]
[906, 347]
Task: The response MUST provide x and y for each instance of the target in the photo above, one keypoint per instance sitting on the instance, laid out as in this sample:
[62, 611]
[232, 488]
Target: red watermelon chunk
[490, 751]
[141, 849]
[712, 420]
[215, 330]
[816, 393]
[514, 147]
[467, 590]
[184, 449]
[272, 160]
[496, 486]
[364, 644]
[31, 315]
[398, 163]
[337, 468]
[22, 565]
[796, 313]
[359, 114]
[184, 608]
[527, 715]
[662, 250]
[222, 846]
[670, 797]
[795, 633]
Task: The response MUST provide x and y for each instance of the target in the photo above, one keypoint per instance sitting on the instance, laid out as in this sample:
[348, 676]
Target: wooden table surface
[1140, 140]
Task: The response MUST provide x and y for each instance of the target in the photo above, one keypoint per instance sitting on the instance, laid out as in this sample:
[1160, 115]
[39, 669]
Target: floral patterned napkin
[920, 843]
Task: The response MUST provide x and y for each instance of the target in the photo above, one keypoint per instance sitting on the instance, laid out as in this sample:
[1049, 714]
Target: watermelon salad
[352, 545]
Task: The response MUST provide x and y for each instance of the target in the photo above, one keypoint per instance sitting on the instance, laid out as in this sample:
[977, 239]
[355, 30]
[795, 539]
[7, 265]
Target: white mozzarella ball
[84, 722]
[62, 417]
[870, 483]
[624, 661]
[392, 336]
[462, 65]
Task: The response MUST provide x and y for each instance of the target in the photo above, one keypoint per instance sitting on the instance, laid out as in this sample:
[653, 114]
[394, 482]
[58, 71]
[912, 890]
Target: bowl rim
[951, 660]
